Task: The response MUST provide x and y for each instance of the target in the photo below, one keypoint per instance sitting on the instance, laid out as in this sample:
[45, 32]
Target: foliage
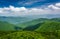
[23, 35]
[35, 29]
[49, 26]
[5, 26]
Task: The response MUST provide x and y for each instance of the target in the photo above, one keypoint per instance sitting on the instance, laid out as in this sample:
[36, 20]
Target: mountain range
[35, 28]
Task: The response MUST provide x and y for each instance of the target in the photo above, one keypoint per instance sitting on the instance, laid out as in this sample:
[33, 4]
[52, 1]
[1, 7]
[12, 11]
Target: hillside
[35, 29]
[32, 23]
[14, 20]
[5, 26]
[55, 19]
[49, 26]
[35, 23]
[22, 35]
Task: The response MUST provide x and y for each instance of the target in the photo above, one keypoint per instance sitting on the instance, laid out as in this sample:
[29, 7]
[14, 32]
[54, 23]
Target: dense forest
[41, 28]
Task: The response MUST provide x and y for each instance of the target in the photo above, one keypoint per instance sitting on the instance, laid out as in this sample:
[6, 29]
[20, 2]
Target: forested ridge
[36, 29]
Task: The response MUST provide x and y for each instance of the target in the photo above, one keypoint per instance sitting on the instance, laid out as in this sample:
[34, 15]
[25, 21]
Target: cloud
[12, 11]
[57, 4]
[29, 2]
[33, 1]
[53, 7]
[22, 11]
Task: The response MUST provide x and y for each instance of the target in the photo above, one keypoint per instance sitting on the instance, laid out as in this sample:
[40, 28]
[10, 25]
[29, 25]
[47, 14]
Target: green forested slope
[5, 26]
[32, 23]
[23, 35]
[36, 29]
[50, 30]
[49, 26]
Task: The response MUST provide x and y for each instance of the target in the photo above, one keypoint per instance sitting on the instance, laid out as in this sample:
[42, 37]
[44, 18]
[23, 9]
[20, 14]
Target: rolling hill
[36, 22]
[14, 20]
[49, 26]
[32, 23]
[5, 26]
[22, 35]
[33, 27]
[55, 19]
[36, 29]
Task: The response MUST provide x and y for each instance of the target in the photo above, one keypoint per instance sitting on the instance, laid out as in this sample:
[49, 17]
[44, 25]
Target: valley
[41, 28]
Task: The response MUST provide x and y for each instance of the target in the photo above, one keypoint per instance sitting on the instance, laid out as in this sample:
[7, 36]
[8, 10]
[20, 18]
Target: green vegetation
[50, 30]
[56, 19]
[22, 35]
[32, 23]
[36, 29]
[5, 26]
[49, 26]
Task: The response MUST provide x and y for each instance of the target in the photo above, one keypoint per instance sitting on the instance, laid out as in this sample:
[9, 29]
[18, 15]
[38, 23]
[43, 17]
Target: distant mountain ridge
[14, 20]
[26, 23]
[22, 19]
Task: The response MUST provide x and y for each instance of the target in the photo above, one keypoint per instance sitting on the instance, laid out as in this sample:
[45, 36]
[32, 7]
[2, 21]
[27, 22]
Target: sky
[29, 7]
